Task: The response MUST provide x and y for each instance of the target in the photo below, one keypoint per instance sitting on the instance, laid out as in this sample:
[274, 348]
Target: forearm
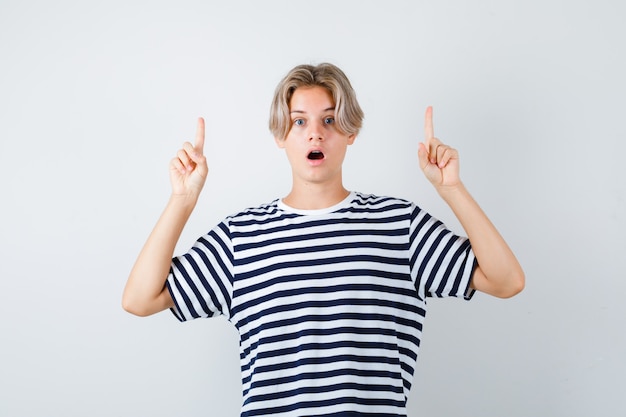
[145, 291]
[499, 272]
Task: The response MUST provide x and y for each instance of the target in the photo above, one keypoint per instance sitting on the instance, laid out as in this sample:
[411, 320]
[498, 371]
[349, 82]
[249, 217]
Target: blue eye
[298, 122]
[329, 120]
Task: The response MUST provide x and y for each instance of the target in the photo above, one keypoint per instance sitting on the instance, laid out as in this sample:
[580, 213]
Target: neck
[315, 197]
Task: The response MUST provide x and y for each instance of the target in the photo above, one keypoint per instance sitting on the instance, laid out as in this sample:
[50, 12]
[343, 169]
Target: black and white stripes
[329, 304]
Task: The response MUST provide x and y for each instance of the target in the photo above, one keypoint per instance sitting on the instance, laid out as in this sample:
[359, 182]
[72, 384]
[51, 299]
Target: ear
[351, 139]
[280, 142]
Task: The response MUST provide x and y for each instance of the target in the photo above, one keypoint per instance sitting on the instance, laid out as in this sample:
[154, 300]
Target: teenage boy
[326, 287]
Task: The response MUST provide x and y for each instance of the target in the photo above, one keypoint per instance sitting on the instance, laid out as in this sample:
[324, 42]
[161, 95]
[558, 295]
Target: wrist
[450, 193]
[183, 202]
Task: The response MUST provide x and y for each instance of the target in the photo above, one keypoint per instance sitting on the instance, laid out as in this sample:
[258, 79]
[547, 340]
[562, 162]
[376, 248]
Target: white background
[96, 97]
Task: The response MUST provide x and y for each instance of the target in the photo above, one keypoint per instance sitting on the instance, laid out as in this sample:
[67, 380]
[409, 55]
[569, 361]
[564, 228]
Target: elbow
[503, 285]
[515, 285]
[133, 307]
[138, 303]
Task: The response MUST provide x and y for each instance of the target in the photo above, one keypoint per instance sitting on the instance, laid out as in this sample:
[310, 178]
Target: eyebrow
[303, 112]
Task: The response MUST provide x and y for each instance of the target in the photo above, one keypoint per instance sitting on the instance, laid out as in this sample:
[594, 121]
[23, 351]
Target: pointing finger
[429, 130]
[199, 143]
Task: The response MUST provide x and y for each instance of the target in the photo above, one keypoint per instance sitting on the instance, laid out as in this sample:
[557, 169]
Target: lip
[315, 162]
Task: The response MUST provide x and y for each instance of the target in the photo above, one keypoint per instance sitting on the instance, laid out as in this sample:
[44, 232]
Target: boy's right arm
[145, 292]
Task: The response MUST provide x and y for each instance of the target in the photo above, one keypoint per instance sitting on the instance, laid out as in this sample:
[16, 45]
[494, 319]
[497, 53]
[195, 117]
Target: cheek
[340, 149]
[291, 150]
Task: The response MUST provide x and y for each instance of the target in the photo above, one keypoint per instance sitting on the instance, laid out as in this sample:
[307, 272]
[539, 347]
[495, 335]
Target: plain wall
[96, 97]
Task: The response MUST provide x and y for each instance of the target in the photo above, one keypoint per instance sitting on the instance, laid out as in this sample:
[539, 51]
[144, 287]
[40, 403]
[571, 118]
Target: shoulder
[266, 208]
[382, 203]
[255, 215]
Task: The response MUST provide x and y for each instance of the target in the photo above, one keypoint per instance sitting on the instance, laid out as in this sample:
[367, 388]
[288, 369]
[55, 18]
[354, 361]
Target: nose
[315, 131]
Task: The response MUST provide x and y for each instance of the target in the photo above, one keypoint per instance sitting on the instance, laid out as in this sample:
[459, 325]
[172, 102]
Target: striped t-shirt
[329, 304]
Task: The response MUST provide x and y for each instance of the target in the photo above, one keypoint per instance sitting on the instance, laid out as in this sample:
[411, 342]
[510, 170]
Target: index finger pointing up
[199, 143]
[429, 130]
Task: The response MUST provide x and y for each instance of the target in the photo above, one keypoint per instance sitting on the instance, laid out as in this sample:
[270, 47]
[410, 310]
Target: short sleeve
[200, 281]
[442, 263]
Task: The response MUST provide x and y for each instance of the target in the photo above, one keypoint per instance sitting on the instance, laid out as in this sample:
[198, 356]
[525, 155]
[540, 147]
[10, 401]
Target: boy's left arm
[498, 272]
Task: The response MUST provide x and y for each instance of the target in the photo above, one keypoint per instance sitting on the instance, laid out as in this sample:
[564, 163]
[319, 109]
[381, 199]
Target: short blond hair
[348, 113]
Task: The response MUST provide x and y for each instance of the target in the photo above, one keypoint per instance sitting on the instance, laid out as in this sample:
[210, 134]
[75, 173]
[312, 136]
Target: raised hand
[188, 170]
[146, 292]
[439, 162]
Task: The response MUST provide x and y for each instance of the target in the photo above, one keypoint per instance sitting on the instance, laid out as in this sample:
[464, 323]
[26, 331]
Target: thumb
[422, 154]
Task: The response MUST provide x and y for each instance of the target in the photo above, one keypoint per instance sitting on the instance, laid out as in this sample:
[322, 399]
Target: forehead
[311, 98]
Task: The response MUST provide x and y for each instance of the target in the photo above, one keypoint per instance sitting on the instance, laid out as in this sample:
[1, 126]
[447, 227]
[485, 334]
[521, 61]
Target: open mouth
[314, 155]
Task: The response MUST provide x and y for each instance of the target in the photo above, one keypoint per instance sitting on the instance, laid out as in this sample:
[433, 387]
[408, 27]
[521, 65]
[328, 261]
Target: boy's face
[314, 146]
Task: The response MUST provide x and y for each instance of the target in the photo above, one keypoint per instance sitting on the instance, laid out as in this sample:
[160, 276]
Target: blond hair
[348, 113]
